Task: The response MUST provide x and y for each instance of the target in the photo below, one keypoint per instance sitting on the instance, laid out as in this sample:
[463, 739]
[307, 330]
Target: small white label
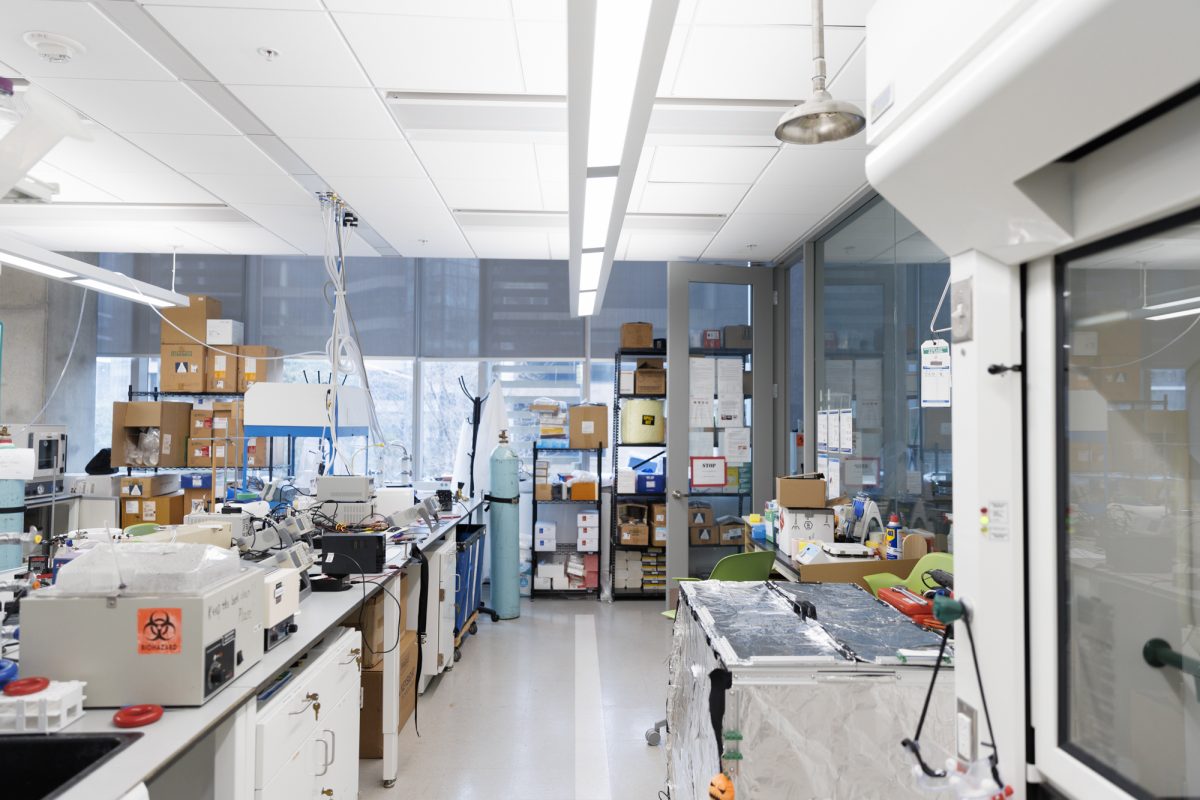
[587, 427]
[220, 452]
[219, 363]
[166, 444]
[150, 512]
[251, 366]
[131, 506]
[999, 525]
[220, 423]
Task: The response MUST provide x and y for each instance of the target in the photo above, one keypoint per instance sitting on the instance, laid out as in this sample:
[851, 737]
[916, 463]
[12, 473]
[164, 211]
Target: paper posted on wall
[935, 373]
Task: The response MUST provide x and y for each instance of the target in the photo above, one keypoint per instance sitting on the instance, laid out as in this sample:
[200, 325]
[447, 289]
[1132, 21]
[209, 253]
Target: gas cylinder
[503, 524]
[12, 519]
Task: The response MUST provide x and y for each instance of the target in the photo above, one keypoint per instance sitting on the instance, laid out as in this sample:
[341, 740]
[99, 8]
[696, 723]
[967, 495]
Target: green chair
[141, 529]
[754, 566]
[915, 581]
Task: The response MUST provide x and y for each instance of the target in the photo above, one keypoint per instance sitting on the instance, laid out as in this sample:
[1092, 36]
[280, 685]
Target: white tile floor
[503, 722]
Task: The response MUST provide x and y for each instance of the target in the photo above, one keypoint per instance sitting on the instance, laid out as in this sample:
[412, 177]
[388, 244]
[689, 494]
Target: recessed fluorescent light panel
[616, 58]
[1187, 312]
[597, 210]
[9, 260]
[587, 304]
[128, 294]
[589, 271]
[1170, 304]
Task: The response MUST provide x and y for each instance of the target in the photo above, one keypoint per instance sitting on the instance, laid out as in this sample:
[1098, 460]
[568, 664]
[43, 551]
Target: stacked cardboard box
[633, 529]
[198, 494]
[650, 377]
[541, 480]
[637, 336]
[588, 426]
[552, 420]
[627, 569]
[654, 570]
[702, 529]
[215, 436]
[551, 576]
[545, 536]
[226, 365]
[134, 425]
[151, 498]
[658, 524]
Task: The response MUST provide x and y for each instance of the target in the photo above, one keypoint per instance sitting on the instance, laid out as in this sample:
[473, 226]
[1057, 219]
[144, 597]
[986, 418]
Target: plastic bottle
[892, 537]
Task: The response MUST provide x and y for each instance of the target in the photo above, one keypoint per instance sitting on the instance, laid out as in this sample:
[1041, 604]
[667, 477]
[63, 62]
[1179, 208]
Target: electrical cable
[67, 362]
[1186, 331]
[362, 608]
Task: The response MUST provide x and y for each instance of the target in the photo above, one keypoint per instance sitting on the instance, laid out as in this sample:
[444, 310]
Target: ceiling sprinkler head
[52, 47]
[268, 53]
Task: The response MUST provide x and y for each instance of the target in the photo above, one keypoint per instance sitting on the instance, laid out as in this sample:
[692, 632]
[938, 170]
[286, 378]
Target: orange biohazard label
[160, 631]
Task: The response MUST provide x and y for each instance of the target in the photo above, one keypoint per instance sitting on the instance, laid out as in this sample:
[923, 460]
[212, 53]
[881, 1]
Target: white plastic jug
[642, 422]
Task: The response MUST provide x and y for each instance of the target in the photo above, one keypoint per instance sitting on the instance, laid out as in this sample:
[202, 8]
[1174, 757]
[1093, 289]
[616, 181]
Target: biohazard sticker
[160, 631]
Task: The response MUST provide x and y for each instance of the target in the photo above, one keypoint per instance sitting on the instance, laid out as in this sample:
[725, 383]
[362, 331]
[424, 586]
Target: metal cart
[468, 583]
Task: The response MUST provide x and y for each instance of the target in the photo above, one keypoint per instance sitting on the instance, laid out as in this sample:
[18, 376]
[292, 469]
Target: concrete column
[39, 317]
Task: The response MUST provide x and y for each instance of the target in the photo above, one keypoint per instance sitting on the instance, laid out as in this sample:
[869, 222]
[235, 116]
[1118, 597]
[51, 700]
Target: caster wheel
[458, 654]
[389, 784]
[653, 737]
[474, 629]
[495, 617]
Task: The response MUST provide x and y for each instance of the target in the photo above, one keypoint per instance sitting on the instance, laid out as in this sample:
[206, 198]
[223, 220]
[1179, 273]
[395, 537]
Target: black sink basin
[41, 766]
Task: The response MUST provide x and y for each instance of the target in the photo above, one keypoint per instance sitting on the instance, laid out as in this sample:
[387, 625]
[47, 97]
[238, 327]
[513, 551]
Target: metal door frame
[764, 387]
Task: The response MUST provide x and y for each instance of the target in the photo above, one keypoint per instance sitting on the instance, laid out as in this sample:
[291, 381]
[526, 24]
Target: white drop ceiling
[443, 125]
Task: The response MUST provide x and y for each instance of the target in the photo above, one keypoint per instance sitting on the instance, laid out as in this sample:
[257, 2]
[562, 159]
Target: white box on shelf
[587, 544]
[560, 584]
[591, 531]
[588, 519]
[551, 569]
[545, 529]
[542, 584]
[543, 544]
[225, 331]
[626, 384]
[626, 481]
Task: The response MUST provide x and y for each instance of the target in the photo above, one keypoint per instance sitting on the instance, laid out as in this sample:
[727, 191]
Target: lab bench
[231, 718]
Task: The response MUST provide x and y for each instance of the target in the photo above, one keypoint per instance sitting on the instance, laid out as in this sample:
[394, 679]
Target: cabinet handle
[332, 745]
[325, 762]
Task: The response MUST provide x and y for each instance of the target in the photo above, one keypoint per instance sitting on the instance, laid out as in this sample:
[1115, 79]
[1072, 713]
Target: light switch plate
[967, 732]
[962, 317]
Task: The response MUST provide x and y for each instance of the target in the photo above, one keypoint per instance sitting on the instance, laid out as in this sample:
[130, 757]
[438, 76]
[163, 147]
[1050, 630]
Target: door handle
[1158, 654]
[678, 495]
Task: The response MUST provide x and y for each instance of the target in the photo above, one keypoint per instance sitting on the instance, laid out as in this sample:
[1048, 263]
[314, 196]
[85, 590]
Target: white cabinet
[437, 653]
[306, 737]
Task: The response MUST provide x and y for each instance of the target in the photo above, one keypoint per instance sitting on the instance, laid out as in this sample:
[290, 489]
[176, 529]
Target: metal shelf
[157, 393]
[642, 396]
[567, 502]
[566, 547]
[643, 495]
[719, 351]
[639, 594]
[545, 450]
[640, 351]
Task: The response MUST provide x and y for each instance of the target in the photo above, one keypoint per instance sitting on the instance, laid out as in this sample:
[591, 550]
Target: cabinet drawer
[289, 719]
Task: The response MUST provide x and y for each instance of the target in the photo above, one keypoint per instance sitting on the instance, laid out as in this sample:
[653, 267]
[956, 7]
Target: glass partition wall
[878, 282]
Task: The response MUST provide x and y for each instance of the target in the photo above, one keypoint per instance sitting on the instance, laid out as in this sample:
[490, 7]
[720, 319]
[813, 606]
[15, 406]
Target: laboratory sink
[41, 766]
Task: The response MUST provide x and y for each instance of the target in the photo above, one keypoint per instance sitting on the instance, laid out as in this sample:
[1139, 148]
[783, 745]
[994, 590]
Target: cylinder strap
[487, 498]
[13, 510]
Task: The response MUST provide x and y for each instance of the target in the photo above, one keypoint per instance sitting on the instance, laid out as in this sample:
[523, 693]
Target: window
[392, 388]
[527, 381]
[795, 376]
[114, 376]
[636, 292]
[878, 280]
[445, 408]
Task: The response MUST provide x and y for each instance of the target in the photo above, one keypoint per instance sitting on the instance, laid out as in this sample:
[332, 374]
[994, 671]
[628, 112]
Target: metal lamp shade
[820, 119]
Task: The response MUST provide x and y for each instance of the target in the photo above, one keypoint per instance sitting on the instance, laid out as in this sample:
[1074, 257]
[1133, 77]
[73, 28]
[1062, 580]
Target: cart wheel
[653, 737]
[495, 617]
[389, 784]
[458, 654]
[474, 629]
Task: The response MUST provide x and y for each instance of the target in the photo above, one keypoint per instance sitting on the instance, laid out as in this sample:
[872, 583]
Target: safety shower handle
[1159, 653]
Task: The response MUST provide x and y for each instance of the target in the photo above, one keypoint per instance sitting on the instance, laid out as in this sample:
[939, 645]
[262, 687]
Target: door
[719, 381]
[337, 750]
[446, 603]
[1113, 347]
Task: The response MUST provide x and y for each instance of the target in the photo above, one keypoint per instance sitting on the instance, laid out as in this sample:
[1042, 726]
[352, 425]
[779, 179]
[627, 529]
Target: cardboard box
[196, 480]
[588, 426]
[370, 623]
[164, 510]
[700, 513]
[585, 491]
[710, 338]
[651, 483]
[258, 451]
[181, 368]
[738, 336]
[131, 419]
[215, 451]
[193, 320]
[197, 501]
[632, 512]
[796, 492]
[650, 381]
[660, 535]
[637, 336]
[370, 721]
[258, 362]
[541, 491]
[633, 534]
[730, 532]
[658, 514]
[644, 362]
[221, 371]
[96, 485]
[703, 535]
[224, 332]
[149, 485]
[748, 383]
[855, 571]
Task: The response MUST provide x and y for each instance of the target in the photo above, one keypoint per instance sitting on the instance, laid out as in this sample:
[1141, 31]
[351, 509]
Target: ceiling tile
[104, 152]
[109, 237]
[71, 189]
[226, 41]
[494, 243]
[320, 112]
[540, 9]
[709, 164]
[756, 62]
[244, 238]
[294, 224]
[358, 157]
[466, 9]
[209, 154]
[481, 161]
[817, 166]
[140, 106]
[551, 162]
[299, 5]
[784, 198]
[405, 211]
[278, 189]
[759, 237]
[543, 49]
[779, 12]
[665, 246]
[110, 54]
[555, 195]
[480, 194]
[850, 82]
[691, 198]
[152, 187]
[670, 70]
[413, 53]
